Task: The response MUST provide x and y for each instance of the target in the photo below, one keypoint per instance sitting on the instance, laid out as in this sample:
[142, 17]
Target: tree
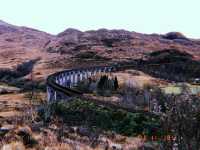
[102, 82]
[116, 85]
[105, 86]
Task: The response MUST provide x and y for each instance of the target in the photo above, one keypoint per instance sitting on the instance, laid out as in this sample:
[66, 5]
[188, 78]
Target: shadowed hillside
[171, 64]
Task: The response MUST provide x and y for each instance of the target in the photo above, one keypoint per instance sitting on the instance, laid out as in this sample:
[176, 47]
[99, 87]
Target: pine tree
[102, 81]
[116, 85]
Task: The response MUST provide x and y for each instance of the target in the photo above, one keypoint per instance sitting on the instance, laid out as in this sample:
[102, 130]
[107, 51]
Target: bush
[84, 113]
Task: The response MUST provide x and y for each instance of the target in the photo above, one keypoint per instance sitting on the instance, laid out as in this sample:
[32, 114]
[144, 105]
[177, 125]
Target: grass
[177, 89]
[172, 90]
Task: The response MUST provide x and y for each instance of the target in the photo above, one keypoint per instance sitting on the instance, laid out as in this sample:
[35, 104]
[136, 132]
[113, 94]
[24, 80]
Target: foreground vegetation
[174, 122]
[82, 113]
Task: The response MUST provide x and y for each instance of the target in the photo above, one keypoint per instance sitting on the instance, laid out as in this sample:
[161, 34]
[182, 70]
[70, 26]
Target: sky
[145, 16]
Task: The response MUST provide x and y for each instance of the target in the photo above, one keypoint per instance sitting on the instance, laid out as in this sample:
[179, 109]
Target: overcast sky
[146, 16]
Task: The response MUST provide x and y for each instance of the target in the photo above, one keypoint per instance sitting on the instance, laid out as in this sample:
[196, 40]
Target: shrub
[78, 112]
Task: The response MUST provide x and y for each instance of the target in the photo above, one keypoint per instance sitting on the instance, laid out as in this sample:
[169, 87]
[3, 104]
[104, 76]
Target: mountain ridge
[2, 22]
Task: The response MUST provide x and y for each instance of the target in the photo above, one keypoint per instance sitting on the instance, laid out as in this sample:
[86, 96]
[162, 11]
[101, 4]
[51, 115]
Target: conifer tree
[116, 85]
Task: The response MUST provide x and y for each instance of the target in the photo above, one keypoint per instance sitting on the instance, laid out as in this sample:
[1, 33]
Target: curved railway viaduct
[60, 85]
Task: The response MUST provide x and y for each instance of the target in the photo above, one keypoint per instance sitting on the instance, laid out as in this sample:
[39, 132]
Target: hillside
[120, 43]
[172, 65]
[71, 47]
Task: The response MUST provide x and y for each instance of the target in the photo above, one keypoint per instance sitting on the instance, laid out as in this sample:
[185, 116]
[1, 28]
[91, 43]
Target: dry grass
[13, 146]
[47, 140]
[136, 78]
[12, 104]
[47, 136]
